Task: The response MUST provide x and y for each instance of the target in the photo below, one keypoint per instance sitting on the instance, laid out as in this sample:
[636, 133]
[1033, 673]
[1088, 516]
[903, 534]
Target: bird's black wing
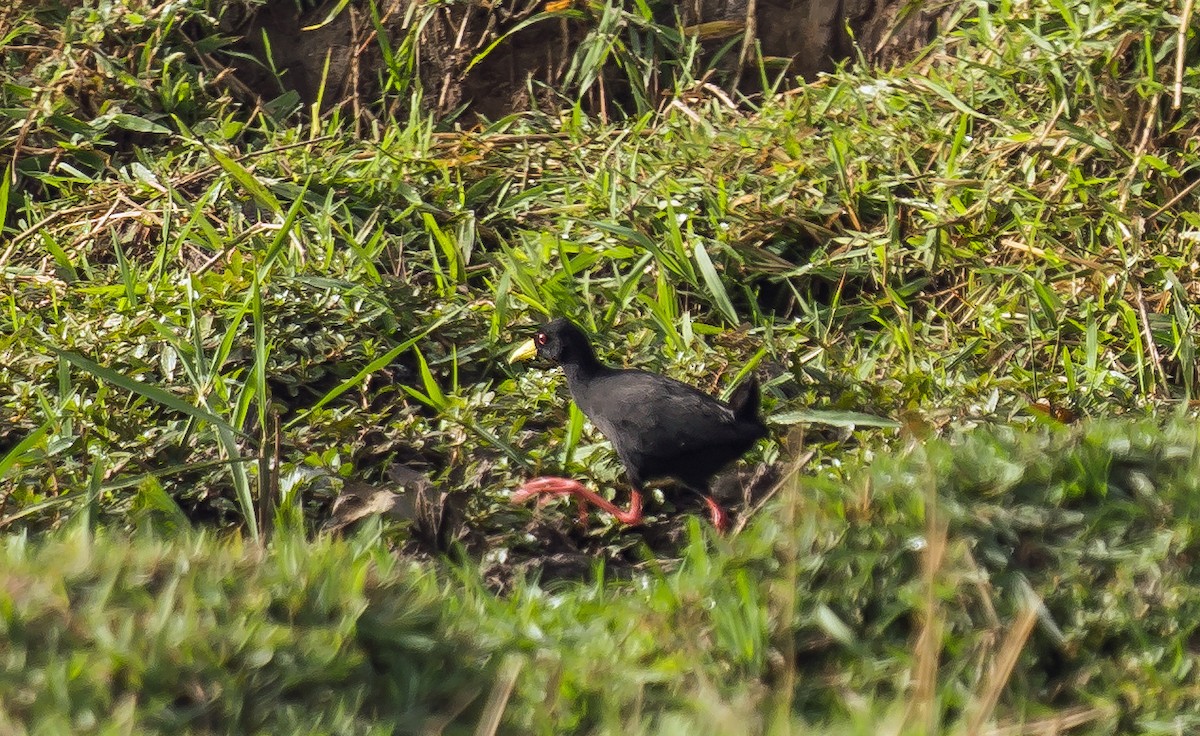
[656, 418]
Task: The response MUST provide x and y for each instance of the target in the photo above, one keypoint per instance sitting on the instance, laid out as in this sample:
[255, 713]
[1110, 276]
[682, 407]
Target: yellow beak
[525, 351]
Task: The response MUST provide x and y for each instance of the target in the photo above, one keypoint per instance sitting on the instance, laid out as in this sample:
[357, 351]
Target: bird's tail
[745, 401]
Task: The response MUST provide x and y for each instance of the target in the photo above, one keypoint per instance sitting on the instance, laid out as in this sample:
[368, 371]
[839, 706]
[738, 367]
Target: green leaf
[1086, 136]
[247, 180]
[432, 390]
[713, 280]
[833, 625]
[152, 497]
[154, 393]
[37, 508]
[574, 432]
[7, 174]
[368, 369]
[832, 418]
[333, 13]
[956, 103]
[66, 269]
[517, 29]
[137, 124]
[12, 456]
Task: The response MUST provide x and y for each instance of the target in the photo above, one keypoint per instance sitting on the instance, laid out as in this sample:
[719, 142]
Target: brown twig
[749, 39]
[1002, 668]
[788, 476]
[493, 709]
[922, 707]
[1148, 336]
[1185, 21]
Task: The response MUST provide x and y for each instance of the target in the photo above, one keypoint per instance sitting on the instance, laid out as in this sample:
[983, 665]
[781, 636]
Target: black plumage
[660, 428]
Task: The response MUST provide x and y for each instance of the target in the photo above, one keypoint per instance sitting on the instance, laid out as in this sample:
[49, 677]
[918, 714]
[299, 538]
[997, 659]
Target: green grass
[960, 586]
[108, 635]
[1007, 221]
[217, 316]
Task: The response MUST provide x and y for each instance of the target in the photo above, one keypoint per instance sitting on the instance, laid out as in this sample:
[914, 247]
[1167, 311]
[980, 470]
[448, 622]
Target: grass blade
[712, 279]
[154, 393]
[12, 456]
[247, 180]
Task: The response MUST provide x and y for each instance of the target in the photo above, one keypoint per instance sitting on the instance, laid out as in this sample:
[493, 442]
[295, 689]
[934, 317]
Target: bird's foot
[553, 486]
[720, 519]
[543, 488]
[546, 488]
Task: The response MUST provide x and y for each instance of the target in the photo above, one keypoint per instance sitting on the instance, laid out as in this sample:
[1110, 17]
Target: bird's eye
[540, 339]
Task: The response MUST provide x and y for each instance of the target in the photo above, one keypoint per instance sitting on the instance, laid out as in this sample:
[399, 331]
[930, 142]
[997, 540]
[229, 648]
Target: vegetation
[1002, 578]
[221, 311]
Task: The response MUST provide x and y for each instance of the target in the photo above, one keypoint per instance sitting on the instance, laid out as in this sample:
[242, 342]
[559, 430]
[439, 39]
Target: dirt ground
[488, 60]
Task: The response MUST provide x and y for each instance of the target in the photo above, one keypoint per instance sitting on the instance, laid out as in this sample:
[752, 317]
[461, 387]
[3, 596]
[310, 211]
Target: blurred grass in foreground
[965, 586]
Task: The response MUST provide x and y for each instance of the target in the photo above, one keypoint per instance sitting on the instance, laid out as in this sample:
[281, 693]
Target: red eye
[540, 339]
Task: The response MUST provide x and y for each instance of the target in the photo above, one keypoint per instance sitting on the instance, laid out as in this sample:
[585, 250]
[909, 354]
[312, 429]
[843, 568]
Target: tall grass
[224, 312]
[1000, 229]
[1003, 582]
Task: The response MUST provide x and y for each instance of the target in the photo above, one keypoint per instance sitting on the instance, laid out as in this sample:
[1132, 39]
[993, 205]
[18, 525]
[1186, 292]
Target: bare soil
[527, 66]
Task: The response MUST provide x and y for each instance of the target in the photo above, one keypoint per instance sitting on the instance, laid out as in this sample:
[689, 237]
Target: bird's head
[559, 341]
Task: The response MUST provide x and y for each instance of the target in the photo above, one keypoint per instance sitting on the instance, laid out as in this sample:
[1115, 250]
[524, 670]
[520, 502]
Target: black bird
[660, 428]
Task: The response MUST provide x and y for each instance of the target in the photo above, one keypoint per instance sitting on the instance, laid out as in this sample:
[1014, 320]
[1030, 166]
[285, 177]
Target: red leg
[719, 518]
[566, 486]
